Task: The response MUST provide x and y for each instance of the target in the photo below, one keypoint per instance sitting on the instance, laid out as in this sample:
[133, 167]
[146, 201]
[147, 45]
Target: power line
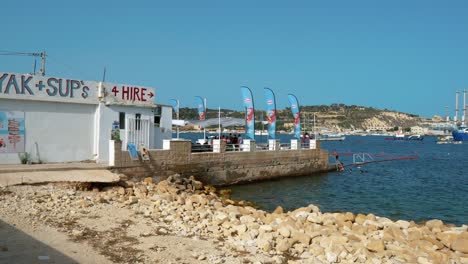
[16, 53]
[34, 54]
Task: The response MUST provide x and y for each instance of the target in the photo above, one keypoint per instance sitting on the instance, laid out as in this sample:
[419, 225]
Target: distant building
[419, 130]
[55, 119]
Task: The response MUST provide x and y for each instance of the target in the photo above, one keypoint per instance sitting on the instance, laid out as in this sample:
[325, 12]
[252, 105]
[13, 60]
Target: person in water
[335, 154]
[340, 166]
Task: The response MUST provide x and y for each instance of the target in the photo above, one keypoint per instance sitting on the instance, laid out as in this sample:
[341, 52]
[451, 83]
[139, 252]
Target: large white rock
[284, 231]
[403, 224]
[246, 219]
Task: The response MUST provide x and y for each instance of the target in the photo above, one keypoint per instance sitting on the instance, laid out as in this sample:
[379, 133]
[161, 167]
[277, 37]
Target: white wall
[68, 132]
[164, 131]
[166, 117]
[63, 131]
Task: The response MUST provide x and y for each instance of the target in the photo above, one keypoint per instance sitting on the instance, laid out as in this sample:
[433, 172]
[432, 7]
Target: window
[122, 120]
[137, 121]
[157, 116]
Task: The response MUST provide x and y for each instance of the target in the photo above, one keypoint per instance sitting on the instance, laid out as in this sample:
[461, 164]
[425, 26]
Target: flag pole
[178, 110]
[206, 115]
[219, 122]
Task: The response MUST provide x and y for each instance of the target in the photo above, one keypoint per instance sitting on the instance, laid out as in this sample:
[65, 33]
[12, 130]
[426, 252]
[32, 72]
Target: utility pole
[43, 57]
[34, 54]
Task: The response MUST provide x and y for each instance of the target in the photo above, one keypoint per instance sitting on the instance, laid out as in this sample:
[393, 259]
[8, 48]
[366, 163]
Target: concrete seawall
[223, 168]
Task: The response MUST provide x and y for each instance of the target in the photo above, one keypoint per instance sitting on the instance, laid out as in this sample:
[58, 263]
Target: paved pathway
[55, 172]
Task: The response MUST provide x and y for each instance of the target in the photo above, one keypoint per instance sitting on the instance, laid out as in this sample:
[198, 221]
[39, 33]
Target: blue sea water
[433, 186]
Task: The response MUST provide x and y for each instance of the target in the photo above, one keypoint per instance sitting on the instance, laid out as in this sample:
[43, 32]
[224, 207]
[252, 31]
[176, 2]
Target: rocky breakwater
[184, 207]
[305, 233]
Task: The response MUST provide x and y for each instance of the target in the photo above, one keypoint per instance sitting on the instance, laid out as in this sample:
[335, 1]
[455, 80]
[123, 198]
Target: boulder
[221, 217]
[264, 245]
[447, 238]
[435, 223]
[132, 200]
[301, 212]
[283, 245]
[166, 187]
[397, 234]
[403, 224]
[348, 216]
[247, 219]
[316, 250]
[140, 191]
[460, 245]
[148, 180]
[439, 245]
[265, 228]
[241, 229]
[314, 208]
[314, 218]
[371, 217]
[300, 237]
[375, 245]
[414, 233]
[284, 231]
[331, 257]
[278, 210]
[120, 190]
[359, 219]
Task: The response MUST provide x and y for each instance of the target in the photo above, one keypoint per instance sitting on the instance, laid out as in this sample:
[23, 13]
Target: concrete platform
[58, 172]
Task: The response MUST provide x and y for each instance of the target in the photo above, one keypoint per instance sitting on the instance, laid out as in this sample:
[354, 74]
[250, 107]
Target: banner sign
[271, 112]
[55, 89]
[201, 108]
[11, 132]
[132, 151]
[123, 94]
[247, 99]
[296, 114]
[34, 87]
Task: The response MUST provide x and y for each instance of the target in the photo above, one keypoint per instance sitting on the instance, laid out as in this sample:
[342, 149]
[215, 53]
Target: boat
[415, 137]
[401, 136]
[461, 134]
[447, 140]
[331, 137]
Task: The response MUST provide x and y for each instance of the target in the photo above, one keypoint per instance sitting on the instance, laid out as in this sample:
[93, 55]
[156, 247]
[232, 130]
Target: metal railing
[137, 132]
[359, 158]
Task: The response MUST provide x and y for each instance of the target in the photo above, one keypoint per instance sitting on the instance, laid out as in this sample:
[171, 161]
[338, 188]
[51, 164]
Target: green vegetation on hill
[335, 116]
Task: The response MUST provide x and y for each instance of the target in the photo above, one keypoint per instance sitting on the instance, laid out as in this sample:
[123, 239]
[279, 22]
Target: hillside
[337, 117]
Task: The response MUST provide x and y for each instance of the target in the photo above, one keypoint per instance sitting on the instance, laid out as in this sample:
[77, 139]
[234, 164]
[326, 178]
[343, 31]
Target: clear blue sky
[405, 55]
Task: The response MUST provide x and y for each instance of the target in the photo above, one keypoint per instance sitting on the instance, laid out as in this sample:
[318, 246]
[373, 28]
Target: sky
[403, 55]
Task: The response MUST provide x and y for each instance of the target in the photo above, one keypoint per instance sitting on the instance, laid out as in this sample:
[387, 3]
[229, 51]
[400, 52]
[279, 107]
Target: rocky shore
[181, 221]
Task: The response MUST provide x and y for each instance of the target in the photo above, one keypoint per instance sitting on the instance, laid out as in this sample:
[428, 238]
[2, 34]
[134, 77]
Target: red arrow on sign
[151, 94]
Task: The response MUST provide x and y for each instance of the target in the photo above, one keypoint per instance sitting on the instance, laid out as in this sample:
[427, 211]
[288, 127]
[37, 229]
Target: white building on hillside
[419, 130]
[56, 119]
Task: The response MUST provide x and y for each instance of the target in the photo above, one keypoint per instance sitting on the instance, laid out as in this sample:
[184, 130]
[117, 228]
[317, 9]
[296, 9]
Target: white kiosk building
[52, 119]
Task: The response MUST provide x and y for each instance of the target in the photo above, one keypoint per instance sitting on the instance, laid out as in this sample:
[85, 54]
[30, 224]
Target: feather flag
[201, 108]
[175, 105]
[250, 112]
[296, 114]
[271, 112]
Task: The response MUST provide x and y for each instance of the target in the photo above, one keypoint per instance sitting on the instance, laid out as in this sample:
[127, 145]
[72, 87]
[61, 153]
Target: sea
[399, 179]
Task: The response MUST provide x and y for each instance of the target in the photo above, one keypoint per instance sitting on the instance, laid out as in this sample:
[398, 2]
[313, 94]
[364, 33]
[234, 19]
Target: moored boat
[447, 140]
[331, 137]
[415, 137]
[461, 134]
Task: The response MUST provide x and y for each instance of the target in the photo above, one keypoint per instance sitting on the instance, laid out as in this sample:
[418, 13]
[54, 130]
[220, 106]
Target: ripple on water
[434, 186]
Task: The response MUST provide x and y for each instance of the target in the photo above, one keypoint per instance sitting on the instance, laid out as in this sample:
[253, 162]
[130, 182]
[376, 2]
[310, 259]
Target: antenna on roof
[104, 75]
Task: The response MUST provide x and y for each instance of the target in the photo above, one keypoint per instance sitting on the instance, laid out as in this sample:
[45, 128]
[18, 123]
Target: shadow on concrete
[18, 247]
